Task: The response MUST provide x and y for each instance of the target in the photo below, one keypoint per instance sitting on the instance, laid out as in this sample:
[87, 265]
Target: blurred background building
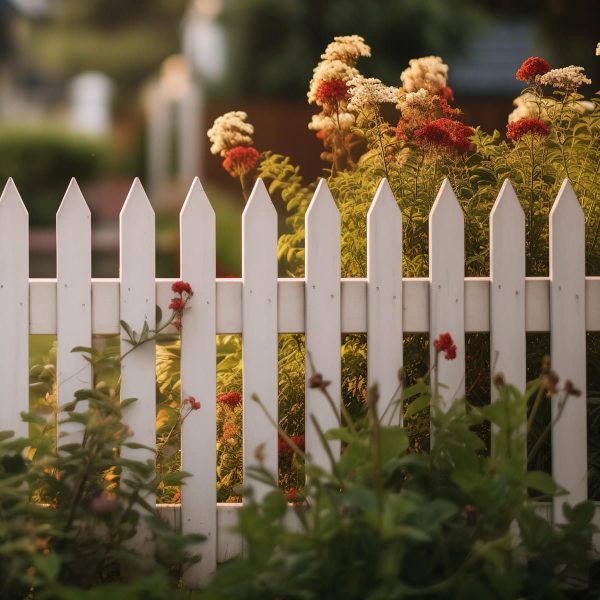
[108, 90]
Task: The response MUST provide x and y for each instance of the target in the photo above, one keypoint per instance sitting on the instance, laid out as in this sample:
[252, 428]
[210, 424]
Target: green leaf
[393, 442]
[542, 482]
[417, 405]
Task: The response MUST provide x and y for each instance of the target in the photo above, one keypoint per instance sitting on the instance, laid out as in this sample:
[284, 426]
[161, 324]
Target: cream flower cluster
[347, 48]
[230, 130]
[344, 121]
[429, 73]
[567, 78]
[369, 91]
[598, 49]
[528, 105]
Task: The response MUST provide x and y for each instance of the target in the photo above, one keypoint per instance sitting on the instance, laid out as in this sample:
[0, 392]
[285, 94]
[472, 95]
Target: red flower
[292, 495]
[194, 404]
[283, 448]
[331, 91]
[177, 324]
[446, 133]
[240, 160]
[527, 125]
[177, 304]
[181, 286]
[231, 399]
[532, 68]
[445, 344]
[447, 93]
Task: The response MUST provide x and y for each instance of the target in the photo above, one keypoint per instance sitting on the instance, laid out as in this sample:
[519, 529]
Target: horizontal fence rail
[322, 305]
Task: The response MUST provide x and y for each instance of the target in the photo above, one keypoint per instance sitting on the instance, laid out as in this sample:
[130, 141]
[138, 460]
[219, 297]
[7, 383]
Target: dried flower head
[532, 68]
[369, 92]
[347, 48]
[230, 130]
[316, 381]
[444, 343]
[527, 126]
[241, 160]
[193, 403]
[428, 72]
[571, 390]
[445, 133]
[230, 430]
[567, 79]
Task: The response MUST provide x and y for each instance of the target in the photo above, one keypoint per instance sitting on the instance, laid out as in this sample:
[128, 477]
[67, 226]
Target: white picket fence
[260, 306]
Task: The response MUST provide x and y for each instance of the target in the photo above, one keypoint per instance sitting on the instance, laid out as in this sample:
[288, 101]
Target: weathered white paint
[14, 309]
[259, 333]
[322, 316]
[198, 379]
[568, 347]
[384, 296]
[447, 290]
[73, 302]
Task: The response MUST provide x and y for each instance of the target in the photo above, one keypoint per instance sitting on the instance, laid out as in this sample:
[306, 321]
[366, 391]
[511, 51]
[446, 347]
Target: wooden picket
[259, 333]
[323, 319]
[507, 289]
[322, 306]
[384, 297]
[73, 301]
[198, 379]
[138, 307]
[568, 347]
[14, 309]
[447, 290]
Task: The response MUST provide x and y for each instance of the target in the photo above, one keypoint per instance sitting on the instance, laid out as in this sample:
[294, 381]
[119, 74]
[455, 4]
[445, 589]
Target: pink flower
[445, 344]
[531, 68]
[181, 286]
[194, 404]
[527, 125]
[240, 160]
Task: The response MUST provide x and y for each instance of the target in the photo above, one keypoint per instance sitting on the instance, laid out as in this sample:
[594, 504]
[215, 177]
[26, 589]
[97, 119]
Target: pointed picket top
[384, 202]
[507, 206]
[137, 205]
[566, 203]
[73, 202]
[322, 203]
[11, 202]
[446, 206]
[196, 204]
[384, 294]
[259, 201]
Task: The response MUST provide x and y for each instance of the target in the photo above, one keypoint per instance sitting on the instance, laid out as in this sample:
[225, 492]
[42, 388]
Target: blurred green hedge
[42, 160]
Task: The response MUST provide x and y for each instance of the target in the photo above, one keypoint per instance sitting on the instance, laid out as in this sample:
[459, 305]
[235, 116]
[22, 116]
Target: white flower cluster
[598, 49]
[369, 91]
[344, 122]
[347, 48]
[230, 130]
[567, 78]
[429, 73]
[530, 106]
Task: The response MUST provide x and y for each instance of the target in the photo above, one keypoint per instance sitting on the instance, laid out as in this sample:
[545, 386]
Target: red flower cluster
[240, 160]
[446, 133]
[527, 125]
[178, 304]
[447, 93]
[231, 399]
[332, 91]
[532, 68]
[194, 404]
[445, 344]
[292, 495]
[284, 448]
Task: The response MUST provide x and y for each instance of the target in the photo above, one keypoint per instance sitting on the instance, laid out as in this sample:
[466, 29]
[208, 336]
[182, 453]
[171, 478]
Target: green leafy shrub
[42, 161]
[384, 522]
